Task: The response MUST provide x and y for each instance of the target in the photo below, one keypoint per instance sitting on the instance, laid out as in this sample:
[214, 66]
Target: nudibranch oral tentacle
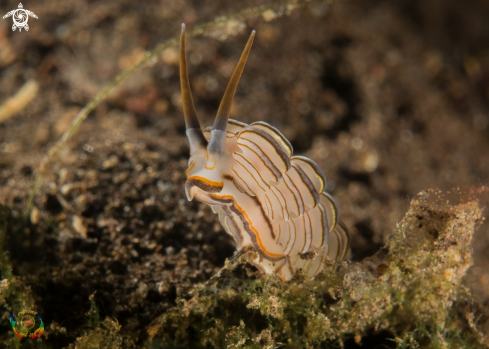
[265, 197]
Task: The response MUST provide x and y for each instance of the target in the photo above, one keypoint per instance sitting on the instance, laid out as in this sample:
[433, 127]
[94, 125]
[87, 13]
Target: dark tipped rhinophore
[222, 117]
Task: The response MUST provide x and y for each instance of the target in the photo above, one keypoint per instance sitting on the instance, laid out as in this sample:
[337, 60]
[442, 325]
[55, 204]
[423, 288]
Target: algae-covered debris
[413, 291]
[105, 336]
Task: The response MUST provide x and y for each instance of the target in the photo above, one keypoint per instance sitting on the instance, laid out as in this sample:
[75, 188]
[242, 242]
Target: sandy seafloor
[388, 97]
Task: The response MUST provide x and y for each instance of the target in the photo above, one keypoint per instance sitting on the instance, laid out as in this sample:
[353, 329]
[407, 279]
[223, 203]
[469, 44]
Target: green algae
[413, 291]
[106, 336]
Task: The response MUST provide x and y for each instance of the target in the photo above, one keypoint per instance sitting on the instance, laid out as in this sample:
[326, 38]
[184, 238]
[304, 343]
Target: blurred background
[389, 98]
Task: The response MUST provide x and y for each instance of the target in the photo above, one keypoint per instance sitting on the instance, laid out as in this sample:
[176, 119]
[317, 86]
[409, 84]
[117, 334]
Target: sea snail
[265, 197]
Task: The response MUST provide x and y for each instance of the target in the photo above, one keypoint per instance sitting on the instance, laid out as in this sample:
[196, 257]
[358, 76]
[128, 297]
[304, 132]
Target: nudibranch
[265, 197]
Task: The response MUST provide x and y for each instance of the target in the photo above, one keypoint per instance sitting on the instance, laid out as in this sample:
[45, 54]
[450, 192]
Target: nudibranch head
[265, 197]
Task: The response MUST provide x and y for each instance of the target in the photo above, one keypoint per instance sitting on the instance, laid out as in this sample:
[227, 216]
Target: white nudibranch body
[265, 197]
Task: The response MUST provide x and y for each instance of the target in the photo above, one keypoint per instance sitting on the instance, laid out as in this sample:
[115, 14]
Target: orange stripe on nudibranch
[281, 274]
[290, 245]
[247, 164]
[213, 166]
[262, 247]
[270, 206]
[237, 175]
[293, 194]
[308, 232]
[204, 184]
[284, 205]
[206, 181]
[263, 159]
[304, 225]
[192, 165]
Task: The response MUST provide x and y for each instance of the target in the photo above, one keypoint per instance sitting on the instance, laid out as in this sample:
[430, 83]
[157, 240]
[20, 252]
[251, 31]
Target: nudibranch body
[265, 197]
